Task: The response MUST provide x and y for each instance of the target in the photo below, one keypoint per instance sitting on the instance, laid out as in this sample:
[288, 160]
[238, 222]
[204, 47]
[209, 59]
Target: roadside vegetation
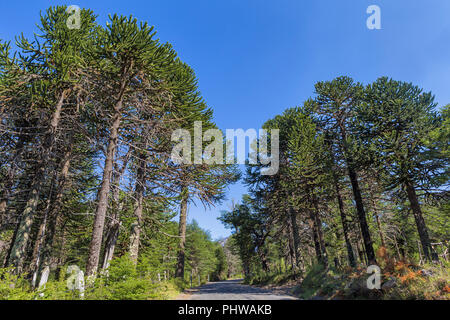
[399, 281]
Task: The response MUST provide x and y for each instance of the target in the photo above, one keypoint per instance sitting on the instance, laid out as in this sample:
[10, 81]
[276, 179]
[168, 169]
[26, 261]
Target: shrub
[14, 287]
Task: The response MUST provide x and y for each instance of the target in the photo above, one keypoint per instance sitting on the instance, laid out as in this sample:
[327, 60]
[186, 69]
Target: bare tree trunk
[54, 214]
[317, 247]
[9, 248]
[110, 243]
[428, 251]
[114, 226]
[264, 263]
[373, 199]
[295, 235]
[351, 257]
[397, 249]
[136, 226]
[358, 200]
[100, 213]
[17, 256]
[361, 214]
[345, 228]
[4, 194]
[360, 252]
[318, 227]
[35, 261]
[290, 253]
[286, 258]
[380, 230]
[179, 272]
[103, 193]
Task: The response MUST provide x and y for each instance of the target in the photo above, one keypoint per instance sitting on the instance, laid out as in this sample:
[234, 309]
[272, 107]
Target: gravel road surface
[232, 290]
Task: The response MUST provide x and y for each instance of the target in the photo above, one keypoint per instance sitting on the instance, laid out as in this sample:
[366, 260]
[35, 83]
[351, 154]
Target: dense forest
[88, 187]
[363, 180]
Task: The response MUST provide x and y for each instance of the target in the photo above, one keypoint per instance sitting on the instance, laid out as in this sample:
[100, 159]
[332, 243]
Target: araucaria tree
[355, 160]
[397, 119]
[86, 119]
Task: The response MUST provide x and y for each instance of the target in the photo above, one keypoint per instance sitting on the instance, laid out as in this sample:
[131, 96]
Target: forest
[363, 181]
[86, 175]
[89, 191]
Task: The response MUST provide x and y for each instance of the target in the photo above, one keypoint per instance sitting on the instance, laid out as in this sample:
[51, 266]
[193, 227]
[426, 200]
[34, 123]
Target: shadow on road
[233, 290]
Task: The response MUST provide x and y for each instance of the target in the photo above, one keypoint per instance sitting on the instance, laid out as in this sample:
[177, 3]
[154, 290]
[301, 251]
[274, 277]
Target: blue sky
[255, 58]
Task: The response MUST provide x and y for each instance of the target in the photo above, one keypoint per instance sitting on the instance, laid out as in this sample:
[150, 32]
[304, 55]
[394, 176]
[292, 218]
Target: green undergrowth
[275, 278]
[399, 281]
[123, 282]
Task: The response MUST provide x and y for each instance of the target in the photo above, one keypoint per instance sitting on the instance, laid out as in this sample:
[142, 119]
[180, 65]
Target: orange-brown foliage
[411, 275]
[386, 260]
[402, 267]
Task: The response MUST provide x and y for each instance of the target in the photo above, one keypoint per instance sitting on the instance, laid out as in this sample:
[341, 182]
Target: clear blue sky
[255, 58]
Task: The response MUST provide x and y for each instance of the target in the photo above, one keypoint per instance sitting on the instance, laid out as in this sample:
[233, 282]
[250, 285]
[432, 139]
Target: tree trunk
[17, 256]
[103, 193]
[179, 272]
[102, 206]
[291, 251]
[295, 236]
[4, 194]
[136, 226]
[54, 214]
[317, 247]
[397, 249]
[318, 226]
[361, 214]
[374, 192]
[345, 228]
[428, 251]
[35, 261]
[360, 252]
[110, 243]
[264, 263]
[358, 200]
[114, 226]
[380, 230]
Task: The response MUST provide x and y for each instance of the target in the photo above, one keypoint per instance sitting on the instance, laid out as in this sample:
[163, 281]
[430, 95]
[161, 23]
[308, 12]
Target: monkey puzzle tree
[56, 59]
[335, 107]
[12, 77]
[306, 159]
[301, 178]
[398, 118]
[130, 56]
